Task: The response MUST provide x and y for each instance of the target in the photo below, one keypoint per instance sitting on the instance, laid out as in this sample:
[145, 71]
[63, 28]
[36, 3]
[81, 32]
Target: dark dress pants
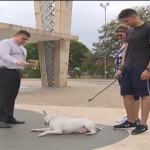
[9, 88]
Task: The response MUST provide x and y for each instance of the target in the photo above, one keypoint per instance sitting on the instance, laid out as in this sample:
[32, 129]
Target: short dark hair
[23, 32]
[127, 13]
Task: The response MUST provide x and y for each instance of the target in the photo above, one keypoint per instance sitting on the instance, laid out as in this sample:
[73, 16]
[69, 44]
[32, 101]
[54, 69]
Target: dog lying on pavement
[60, 125]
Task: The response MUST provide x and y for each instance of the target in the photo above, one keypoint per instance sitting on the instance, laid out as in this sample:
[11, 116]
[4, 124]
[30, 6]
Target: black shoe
[14, 121]
[4, 125]
[140, 129]
[125, 125]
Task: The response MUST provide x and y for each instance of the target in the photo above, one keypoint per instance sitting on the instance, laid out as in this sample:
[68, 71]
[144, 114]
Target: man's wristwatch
[148, 69]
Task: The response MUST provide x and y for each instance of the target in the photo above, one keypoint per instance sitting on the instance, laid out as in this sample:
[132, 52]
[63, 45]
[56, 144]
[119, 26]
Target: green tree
[144, 12]
[32, 51]
[111, 45]
[92, 65]
[32, 54]
[77, 54]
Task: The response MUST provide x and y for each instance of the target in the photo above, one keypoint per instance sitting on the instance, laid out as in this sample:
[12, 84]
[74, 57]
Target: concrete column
[54, 56]
[63, 16]
[44, 21]
[40, 45]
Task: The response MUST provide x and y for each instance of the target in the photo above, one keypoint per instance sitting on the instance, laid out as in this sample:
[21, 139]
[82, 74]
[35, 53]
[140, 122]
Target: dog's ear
[44, 112]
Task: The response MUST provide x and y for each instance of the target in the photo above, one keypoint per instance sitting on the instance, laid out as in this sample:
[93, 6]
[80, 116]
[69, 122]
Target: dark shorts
[131, 83]
[136, 98]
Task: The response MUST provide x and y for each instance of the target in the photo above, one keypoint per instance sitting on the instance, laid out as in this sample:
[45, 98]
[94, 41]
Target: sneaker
[125, 125]
[122, 120]
[140, 129]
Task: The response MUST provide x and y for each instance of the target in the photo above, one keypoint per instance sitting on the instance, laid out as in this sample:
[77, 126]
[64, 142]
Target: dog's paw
[33, 130]
[88, 134]
[40, 135]
[91, 133]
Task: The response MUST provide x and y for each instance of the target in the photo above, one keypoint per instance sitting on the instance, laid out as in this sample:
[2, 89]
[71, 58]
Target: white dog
[60, 125]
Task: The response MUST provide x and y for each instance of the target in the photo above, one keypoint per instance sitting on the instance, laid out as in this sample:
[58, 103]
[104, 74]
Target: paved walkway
[76, 93]
[104, 109]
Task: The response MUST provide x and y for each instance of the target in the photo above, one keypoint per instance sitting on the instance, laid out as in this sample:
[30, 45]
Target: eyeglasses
[120, 35]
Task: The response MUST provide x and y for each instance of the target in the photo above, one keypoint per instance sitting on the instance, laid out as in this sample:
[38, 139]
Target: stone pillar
[63, 16]
[54, 16]
[45, 20]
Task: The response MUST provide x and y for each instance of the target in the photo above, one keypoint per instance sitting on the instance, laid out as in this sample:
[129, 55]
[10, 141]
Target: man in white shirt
[12, 60]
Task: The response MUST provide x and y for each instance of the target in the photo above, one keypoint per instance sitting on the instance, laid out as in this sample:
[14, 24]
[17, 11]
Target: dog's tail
[98, 129]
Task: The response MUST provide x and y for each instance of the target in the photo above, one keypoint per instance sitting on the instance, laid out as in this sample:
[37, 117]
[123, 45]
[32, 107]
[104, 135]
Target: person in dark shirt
[135, 70]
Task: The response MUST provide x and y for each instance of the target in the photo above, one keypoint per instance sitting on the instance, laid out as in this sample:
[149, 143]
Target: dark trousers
[9, 88]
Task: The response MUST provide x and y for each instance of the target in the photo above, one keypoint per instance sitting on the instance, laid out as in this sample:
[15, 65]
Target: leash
[89, 100]
[102, 90]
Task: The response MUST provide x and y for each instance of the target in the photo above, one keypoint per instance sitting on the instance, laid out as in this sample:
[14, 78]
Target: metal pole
[105, 55]
[105, 63]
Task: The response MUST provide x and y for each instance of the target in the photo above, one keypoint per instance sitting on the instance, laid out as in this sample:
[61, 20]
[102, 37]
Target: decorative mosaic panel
[47, 9]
